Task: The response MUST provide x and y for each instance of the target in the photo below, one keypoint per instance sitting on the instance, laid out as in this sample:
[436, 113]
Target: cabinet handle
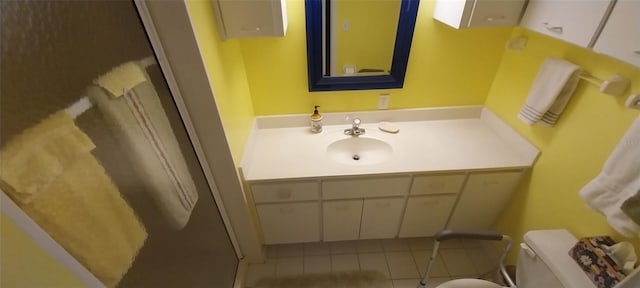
[554, 29]
[283, 194]
[287, 210]
[250, 29]
[499, 18]
[637, 52]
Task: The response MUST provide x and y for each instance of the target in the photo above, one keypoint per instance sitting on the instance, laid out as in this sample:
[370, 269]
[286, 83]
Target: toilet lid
[552, 246]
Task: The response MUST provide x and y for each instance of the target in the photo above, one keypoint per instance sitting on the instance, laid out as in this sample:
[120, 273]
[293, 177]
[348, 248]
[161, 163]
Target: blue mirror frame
[395, 79]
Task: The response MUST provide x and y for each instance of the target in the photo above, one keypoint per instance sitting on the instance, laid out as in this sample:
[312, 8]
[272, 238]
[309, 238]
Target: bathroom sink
[359, 151]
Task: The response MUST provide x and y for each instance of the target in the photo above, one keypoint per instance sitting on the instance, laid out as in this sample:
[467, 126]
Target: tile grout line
[412, 249]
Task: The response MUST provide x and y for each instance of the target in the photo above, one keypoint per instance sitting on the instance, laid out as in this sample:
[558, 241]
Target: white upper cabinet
[250, 18]
[574, 21]
[620, 37]
[478, 13]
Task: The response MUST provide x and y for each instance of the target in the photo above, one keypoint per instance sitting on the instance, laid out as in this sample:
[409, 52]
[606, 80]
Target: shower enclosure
[94, 149]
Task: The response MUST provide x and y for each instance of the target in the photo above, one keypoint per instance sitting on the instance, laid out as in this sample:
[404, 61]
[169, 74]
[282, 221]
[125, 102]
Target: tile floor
[403, 261]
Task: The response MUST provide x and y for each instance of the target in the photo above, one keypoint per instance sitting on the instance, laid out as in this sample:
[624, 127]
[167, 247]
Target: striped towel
[141, 125]
[550, 92]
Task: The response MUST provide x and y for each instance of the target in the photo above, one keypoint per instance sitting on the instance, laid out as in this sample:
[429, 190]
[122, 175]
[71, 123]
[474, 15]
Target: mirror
[359, 36]
[377, 69]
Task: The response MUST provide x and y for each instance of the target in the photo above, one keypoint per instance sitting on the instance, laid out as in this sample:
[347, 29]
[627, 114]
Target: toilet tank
[544, 261]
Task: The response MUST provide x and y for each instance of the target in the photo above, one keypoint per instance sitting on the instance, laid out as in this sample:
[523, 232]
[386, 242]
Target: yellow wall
[225, 66]
[574, 151]
[369, 40]
[24, 264]
[447, 67]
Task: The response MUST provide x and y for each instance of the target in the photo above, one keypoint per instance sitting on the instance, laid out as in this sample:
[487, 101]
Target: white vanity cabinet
[455, 167]
[576, 21]
[285, 191]
[381, 217]
[373, 210]
[426, 215]
[380, 207]
[478, 13]
[247, 19]
[361, 219]
[290, 222]
[483, 199]
[288, 212]
[341, 219]
[365, 187]
[430, 203]
[620, 37]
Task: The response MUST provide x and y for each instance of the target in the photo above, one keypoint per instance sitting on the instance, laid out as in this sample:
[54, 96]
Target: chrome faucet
[355, 130]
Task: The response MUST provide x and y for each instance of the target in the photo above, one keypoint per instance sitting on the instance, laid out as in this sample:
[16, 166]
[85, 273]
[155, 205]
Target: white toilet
[543, 262]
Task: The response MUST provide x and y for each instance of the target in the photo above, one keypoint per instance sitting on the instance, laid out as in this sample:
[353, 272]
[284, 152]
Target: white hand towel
[618, 180]
[550, 92]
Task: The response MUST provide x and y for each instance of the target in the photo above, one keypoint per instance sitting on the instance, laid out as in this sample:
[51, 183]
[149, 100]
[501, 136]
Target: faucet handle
[356, 122]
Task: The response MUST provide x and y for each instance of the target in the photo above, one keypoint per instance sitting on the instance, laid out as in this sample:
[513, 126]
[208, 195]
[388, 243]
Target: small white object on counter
[388, 127]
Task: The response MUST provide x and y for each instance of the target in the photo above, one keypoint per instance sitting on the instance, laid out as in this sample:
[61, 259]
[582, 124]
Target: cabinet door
[289, 223]
[483, 198]
[381, 218]
[245, 19]
[478, 13]
[574, 21]
[341, 219]
[426, 215]
[620, 37]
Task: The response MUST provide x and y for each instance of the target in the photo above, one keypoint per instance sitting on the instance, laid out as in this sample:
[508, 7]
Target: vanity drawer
[437, 184]
[285, 191]
[361, 188]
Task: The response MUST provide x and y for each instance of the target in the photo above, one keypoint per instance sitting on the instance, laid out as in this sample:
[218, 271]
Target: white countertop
[472, 138]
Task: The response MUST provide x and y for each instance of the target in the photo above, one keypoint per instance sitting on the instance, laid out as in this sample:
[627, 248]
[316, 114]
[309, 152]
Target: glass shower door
[93, 148]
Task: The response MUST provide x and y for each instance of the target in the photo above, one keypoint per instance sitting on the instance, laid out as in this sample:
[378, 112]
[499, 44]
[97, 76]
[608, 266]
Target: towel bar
[614, 85]
[591, 79]
[82, 105]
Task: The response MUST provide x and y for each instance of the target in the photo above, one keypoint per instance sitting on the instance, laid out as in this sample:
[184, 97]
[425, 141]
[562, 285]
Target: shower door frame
[185, 117]
[222, 168]
[179, 56]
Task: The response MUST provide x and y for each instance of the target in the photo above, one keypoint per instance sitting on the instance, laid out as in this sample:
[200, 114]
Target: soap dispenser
[316, 120]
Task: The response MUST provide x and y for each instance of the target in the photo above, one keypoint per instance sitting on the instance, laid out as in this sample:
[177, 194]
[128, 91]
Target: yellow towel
[125, 76]
[52, 175]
